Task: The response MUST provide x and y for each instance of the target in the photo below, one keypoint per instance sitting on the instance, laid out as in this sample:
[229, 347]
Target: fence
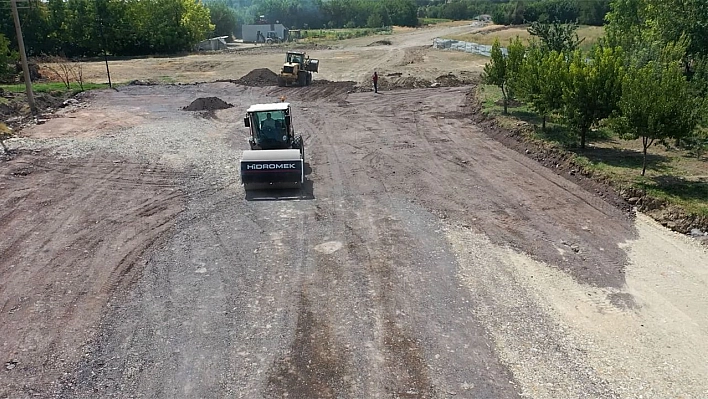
[467, 47]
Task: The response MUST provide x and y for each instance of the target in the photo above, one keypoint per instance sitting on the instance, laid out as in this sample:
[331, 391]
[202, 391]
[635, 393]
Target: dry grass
[505, 34]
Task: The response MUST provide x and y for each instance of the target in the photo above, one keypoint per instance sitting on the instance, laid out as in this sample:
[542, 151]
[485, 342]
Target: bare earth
[425, 260]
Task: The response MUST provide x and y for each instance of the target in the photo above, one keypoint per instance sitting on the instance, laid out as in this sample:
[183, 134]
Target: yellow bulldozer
[297, 69]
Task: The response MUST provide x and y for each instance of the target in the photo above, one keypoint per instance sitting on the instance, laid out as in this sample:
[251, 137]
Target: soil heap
[261, 77]
[207, 104]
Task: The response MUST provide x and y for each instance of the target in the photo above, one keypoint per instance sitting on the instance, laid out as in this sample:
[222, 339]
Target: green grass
[313, 35]
[674, 175]
[167, 79]
[51, 87]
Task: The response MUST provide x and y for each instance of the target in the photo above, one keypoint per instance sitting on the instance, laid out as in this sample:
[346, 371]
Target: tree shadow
[526, 116]
[624, 158]
[687, 190]
[569, 139]
[559, 135]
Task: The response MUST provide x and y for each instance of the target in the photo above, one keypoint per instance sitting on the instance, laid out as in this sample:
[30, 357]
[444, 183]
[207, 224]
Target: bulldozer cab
[270, 126]
[295, 58]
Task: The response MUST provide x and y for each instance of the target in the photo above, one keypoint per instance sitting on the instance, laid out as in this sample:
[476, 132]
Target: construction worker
[268, 125]
[375, 78]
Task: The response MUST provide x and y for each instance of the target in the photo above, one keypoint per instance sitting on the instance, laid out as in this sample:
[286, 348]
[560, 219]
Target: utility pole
[99, 17]
[105, 56]
[23, 57]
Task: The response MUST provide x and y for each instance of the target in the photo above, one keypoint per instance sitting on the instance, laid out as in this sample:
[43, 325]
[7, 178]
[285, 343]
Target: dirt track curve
[423, 260]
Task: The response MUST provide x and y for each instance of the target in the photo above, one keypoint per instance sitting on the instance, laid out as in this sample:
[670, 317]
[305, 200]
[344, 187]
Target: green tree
[592, 88]
[592, 12]
[374, 21]
[634, 24]
[541, 79]
[556, 36]
[402, 12]
[656, 104]
[6, 57]
[502, 70]
[673, 19]
[223, 18]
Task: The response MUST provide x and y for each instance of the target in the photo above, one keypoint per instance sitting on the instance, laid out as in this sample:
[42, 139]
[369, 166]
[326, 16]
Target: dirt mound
[452, 80]
[207, 104]
[396, 80]
[384, 42]
[145, 82]
[259, 78]
[320, 89]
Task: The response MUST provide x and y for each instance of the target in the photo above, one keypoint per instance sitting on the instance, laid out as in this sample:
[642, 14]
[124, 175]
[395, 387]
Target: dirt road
[426, 260]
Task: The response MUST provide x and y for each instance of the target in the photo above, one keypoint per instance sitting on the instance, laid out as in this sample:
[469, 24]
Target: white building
[259, 33]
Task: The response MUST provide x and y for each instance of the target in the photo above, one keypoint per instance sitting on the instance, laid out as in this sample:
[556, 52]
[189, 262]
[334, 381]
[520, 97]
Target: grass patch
[589, 34]
[690, 195]
[317, 35]
[674, 175]
[51, 87]
[167, 79]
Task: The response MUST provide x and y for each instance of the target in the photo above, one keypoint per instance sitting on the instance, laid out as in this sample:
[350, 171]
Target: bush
[7, 60]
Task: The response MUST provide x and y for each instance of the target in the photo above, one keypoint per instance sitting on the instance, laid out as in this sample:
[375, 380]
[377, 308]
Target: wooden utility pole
[105, 56]
[23, 57]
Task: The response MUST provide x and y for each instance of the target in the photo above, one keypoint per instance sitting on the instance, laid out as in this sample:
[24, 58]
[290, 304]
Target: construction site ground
[424, 258]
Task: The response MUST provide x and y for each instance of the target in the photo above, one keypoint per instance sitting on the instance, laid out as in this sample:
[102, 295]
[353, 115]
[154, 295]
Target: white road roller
[277, 155]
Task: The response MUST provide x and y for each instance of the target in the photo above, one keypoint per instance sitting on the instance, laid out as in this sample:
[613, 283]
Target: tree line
[647, 79]
[77, 28]
[80, 28]
[585, 12]
[325, 14]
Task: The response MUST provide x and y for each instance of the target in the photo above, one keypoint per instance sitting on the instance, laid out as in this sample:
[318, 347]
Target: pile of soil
[145, 82]
[261, 77]
[402, 82]
[384, 42]
[207, 104]
[396, 80]
[451, 80]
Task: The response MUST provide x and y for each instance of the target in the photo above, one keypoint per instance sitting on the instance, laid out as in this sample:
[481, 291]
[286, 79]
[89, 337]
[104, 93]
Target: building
[258, 33]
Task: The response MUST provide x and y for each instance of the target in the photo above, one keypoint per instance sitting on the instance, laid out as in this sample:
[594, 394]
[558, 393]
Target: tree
[592, 12]
[374, 21]
[633, 24]
[223, 18]
[592, 88]
[541, 79]
[672, 19]
[402, 12]
[502, 70]
[6, 57]
[656, 104]
[556, 36]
